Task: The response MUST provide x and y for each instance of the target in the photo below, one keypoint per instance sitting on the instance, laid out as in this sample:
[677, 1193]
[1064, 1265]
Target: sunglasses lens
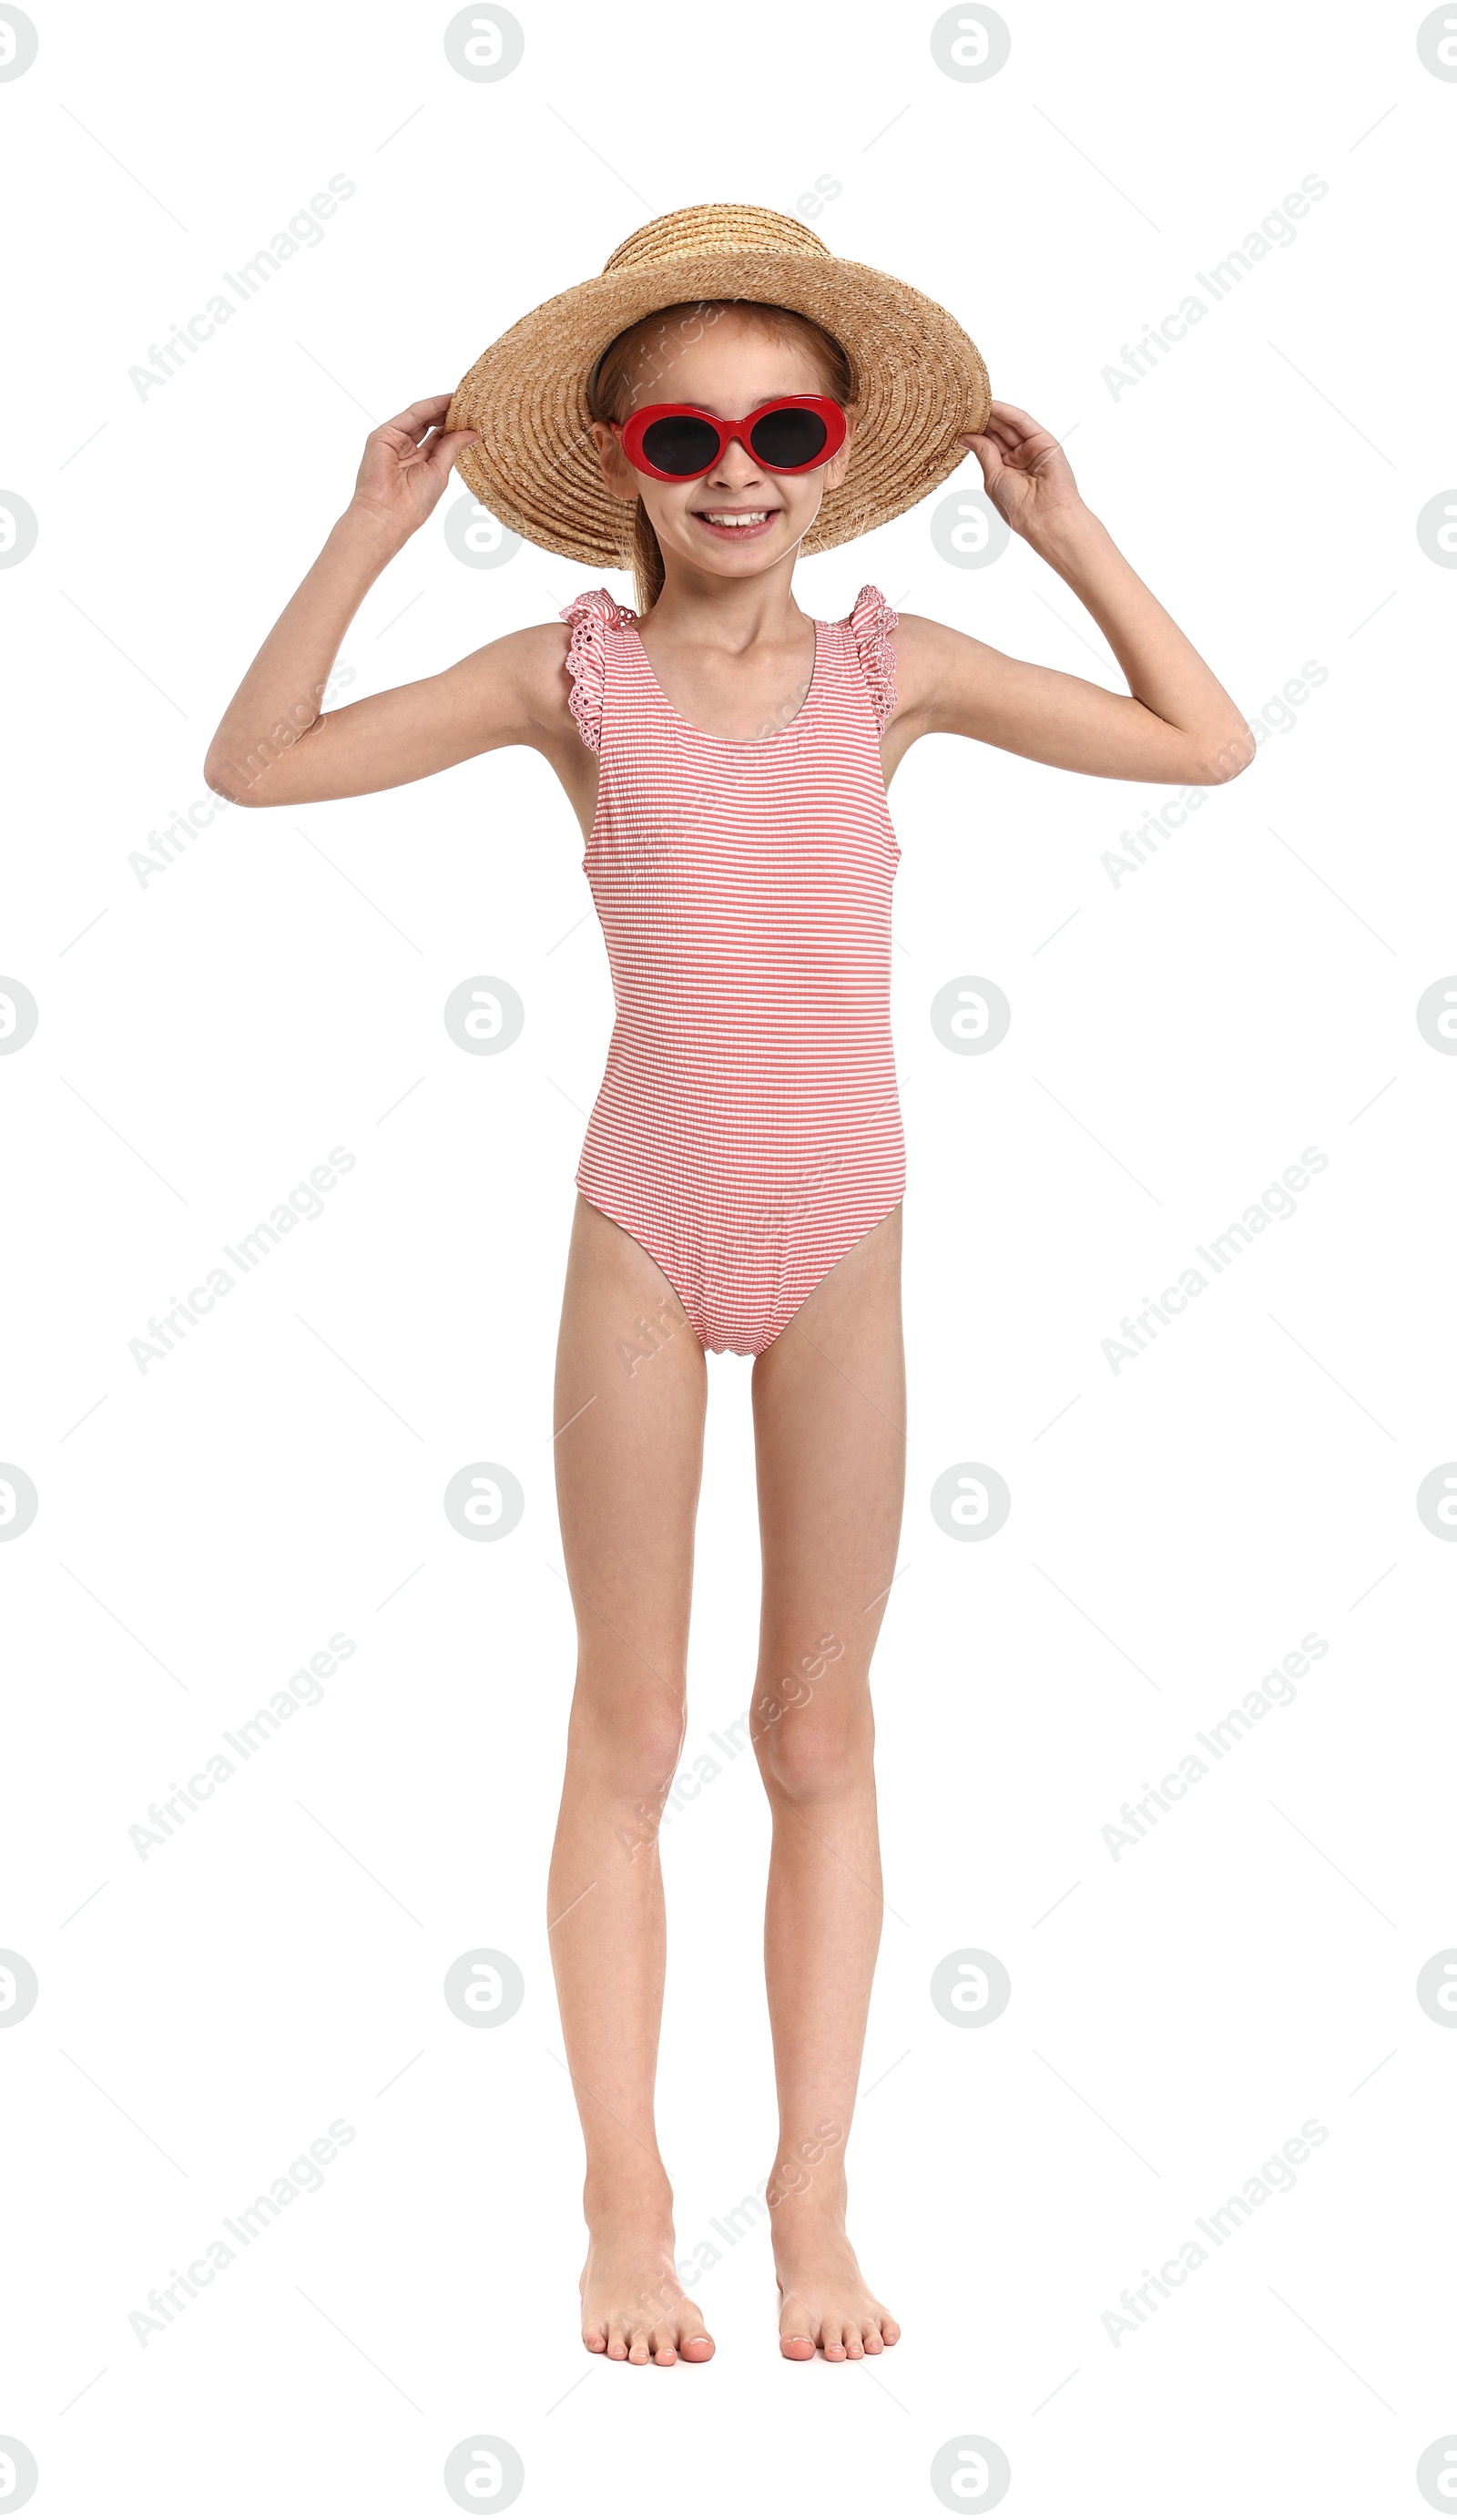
[785, 441]
[680, 445]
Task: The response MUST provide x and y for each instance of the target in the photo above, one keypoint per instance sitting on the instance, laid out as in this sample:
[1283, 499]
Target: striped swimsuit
[748, 1128]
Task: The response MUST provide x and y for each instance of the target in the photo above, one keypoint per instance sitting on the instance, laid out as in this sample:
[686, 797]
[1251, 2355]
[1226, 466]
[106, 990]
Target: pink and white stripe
[748, 1128]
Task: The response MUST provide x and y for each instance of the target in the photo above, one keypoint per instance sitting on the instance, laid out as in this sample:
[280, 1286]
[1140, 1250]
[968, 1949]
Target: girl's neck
[734, 614]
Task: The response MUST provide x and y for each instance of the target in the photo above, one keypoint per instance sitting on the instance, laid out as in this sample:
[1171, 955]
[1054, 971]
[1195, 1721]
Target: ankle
[808, 2178]
[610, 2199]
[804, 2200]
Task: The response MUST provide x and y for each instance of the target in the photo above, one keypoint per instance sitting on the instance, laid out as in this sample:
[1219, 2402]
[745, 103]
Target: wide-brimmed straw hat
[920, 383]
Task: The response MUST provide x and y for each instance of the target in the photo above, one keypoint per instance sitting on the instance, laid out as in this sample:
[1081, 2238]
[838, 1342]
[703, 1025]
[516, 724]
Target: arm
[274, 748]
[1175, 724]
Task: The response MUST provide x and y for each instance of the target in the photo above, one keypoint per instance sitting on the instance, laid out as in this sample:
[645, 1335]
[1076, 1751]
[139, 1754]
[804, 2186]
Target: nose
[736, 467]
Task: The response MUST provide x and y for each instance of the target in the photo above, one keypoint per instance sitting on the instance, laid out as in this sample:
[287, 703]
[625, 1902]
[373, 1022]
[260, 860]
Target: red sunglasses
[676, 441]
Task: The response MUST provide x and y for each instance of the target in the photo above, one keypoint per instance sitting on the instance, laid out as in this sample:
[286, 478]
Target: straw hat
[919, 383]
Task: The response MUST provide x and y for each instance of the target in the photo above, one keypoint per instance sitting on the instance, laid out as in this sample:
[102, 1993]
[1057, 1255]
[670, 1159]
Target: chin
[747, 563]
[740, 560]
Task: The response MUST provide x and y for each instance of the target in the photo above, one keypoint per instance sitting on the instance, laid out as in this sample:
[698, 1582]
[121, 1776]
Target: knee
[633, 1736]
[812, 1754]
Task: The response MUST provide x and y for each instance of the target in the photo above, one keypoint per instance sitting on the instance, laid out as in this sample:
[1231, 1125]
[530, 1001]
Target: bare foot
[824, 2301]
[634, 2308]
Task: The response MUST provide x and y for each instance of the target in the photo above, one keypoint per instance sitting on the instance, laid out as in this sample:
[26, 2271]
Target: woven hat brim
[920, 385]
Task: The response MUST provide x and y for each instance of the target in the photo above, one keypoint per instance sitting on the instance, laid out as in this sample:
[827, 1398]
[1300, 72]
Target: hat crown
[714, 227]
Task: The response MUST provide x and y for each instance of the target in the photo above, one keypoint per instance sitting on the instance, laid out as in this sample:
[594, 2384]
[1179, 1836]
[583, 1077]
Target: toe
[832, 2343]
[853, 2344]
[638, 2349]
[664, 2343]
[697, 2349]
[888, 2328]
[594, 2338]
[617, 2344]
[796, 2344]
[873, 2341]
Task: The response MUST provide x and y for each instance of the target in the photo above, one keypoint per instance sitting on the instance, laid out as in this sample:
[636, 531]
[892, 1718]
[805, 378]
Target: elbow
[230, 770]
[1236, 753]
[239, 771]
[242, 768]
[221, 775]
[1221, 755]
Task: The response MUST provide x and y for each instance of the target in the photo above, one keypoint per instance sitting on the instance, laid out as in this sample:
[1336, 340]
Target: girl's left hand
[1028, 477]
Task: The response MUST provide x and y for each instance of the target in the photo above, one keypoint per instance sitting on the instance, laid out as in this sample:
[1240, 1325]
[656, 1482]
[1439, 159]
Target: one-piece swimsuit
[748, 1128]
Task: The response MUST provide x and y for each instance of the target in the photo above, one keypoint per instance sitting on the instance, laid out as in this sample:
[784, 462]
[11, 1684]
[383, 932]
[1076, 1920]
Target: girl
[725, 395]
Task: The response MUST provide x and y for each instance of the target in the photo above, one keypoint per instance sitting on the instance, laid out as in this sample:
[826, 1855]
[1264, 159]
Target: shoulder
[914, 644]
[527, 671]
[929, 654]
[919, 639]
[553, 670]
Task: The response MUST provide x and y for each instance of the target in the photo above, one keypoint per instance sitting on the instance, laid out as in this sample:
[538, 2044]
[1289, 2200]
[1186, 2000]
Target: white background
[1178, 1038]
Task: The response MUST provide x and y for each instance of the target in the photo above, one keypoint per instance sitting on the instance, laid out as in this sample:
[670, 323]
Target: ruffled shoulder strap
[592, 616]
[869, 623]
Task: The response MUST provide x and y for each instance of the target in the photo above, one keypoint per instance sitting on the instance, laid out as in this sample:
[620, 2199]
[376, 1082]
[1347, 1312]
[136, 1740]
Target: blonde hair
[638, 360]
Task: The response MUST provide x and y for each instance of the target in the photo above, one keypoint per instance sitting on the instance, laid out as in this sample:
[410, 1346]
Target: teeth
[749, 516]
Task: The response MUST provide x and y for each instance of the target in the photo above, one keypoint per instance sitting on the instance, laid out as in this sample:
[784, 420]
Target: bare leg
[631, 1394]
[829, 1418]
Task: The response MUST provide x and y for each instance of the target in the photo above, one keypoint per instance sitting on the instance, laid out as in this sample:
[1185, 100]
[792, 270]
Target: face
[737, 519]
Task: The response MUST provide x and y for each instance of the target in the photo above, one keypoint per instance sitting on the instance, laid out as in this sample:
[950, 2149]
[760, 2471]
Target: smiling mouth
[732, 522]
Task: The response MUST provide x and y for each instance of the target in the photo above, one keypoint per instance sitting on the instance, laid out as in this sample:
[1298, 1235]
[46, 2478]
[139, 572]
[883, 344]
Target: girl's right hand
[407, 462]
